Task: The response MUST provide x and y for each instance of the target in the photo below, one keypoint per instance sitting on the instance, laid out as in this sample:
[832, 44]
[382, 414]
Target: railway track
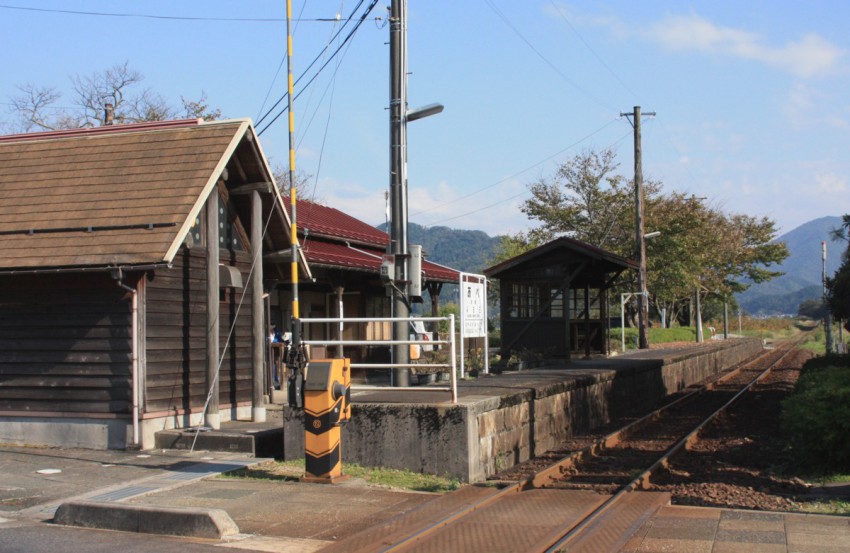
[582, 501]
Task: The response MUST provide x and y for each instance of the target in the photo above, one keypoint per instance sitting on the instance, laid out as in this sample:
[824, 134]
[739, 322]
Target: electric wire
[518, 173]
[319, 56]
[307, 104]
[279, 67]
[318, 72]
[311, 64]
[176, 17]
[592, 51]
[546, 60]
[254, 259]
[616, 143]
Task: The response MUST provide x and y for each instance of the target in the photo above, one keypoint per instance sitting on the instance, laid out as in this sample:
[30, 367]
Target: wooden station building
[554, 298]
[117, 318]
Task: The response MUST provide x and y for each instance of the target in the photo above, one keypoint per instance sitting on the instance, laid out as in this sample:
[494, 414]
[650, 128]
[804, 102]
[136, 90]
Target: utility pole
[828, 316]
[398, 186]
[399, 117]
[640, 238]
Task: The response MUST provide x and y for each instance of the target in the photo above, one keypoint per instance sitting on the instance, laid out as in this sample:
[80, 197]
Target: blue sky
[751, 97]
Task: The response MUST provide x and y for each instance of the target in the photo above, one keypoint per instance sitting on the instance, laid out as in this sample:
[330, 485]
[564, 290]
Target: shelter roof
[606, 261]
[123, 195]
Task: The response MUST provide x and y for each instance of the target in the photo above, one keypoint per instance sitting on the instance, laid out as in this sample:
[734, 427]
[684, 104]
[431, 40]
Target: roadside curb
[196, 522]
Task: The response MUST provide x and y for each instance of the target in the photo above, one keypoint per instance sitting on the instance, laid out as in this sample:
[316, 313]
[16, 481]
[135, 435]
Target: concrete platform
[504, 419]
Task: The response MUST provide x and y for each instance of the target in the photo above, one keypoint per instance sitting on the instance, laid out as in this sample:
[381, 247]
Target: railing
[451, 365]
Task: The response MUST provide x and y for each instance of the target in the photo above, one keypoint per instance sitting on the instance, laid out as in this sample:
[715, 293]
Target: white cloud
[809, 107]
[831, 183]
[810, 56]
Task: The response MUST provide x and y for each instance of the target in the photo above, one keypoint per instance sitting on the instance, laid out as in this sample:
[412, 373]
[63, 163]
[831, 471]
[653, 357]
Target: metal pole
[698, 319]
[398, 184]
[725, 320]
[296, 360]
[828, 317]
[623, 320]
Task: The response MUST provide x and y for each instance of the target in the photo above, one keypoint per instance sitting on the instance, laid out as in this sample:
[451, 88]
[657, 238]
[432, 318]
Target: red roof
[316, 219]
[332, 254]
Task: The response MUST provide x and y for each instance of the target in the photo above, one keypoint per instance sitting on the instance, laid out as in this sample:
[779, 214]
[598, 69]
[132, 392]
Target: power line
[175, 17]
[313, 78]
[312, 63]
[592, 51]
[279, 67]
[503, 200]
[544, 58]
[518, 173]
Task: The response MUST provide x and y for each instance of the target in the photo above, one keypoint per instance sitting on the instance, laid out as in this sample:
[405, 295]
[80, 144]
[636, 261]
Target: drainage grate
[122, 493]
[200, 470]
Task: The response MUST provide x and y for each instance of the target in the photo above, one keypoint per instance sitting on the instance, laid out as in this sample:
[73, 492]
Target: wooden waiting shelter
[554, 298]
[131, 296]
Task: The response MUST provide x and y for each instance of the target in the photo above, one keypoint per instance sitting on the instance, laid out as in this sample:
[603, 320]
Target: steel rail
[642, 481]
[560, 536]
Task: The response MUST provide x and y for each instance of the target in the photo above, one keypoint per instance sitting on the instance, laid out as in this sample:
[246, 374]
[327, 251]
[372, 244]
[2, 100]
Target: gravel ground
[738, 462]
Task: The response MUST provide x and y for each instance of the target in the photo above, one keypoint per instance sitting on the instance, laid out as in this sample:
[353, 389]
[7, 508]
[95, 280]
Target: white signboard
[473, 315]
[473, 300]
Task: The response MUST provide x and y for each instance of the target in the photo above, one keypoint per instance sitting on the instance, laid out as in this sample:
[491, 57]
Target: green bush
[657, 335]
[817, 417]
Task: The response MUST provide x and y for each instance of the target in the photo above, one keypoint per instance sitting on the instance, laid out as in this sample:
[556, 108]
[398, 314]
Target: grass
[383, 477]
[835, 507]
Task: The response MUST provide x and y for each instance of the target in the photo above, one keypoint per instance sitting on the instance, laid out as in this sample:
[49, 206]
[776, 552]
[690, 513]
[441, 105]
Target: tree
[699, 248]
[303, 185]
[838, 285]
[584, 200]
[35, 106]
[813, 309]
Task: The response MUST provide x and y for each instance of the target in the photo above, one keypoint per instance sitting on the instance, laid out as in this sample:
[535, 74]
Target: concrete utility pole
[398, 184]
[399, 117]
[828, 318]
[640, 239]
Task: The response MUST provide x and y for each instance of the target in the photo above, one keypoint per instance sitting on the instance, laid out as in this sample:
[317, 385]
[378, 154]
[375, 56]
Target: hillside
[469, 251]
[802, 278]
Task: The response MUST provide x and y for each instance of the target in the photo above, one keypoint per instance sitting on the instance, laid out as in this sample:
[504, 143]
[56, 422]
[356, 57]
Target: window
[196, 233]
[577, 304]
[228, 236]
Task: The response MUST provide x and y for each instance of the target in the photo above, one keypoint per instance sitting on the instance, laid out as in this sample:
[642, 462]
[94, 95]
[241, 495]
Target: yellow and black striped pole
[296, 360]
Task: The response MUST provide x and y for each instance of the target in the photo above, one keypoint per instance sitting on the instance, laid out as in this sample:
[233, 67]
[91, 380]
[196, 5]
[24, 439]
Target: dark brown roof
[611, 262]
[123, 195]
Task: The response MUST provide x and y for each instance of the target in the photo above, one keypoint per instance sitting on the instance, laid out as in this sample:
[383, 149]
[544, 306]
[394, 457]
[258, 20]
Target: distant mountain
[802, 278]
[469, 251]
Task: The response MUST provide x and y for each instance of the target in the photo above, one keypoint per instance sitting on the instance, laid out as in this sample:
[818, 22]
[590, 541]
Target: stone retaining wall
[484, 434]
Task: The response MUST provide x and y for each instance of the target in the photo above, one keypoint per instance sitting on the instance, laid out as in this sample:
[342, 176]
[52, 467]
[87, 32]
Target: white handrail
[378, 366]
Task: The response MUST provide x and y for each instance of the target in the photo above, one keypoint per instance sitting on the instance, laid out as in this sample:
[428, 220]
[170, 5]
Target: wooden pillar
[258, 413]
[434, 289]
[213, 417]
[606, 321]
[587, 320]
[568, 319]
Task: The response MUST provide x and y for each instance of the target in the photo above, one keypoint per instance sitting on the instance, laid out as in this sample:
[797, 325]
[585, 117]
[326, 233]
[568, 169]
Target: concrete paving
[292, 517]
